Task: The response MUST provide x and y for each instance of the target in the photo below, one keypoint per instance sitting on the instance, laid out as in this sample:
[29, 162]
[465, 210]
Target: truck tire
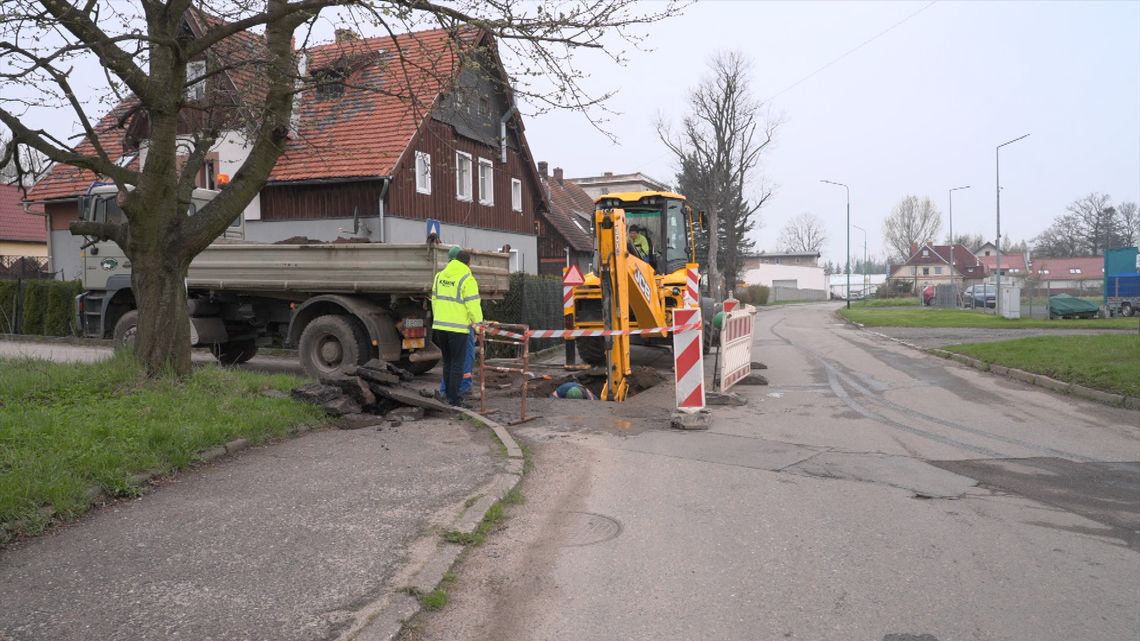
[234, 352]
[127, 327]
[592, 349]
[331, 343]
[1126, 309]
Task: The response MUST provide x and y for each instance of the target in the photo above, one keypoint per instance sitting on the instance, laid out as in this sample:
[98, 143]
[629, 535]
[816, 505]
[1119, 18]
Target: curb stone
[384, 619]
[1107, 398]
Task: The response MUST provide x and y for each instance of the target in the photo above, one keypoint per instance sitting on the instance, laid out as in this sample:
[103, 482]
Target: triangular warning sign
[573, 277]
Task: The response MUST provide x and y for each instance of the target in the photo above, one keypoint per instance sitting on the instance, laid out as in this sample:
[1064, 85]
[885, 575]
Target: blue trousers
[468, 367]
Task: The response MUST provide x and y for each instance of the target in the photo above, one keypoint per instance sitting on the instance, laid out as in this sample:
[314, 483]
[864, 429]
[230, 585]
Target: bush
[753, 295]
[48, 306]
[34, 304]
[59, 314]
[895, 289]
[9, 296]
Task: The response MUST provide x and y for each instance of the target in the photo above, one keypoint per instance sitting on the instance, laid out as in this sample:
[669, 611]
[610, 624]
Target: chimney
[558, 174]
[346, 35]
[542, 168]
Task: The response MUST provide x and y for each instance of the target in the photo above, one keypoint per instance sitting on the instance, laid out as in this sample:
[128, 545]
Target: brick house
[566, 231]
[392, 133]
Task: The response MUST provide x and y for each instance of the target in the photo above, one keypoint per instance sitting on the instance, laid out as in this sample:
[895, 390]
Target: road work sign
[735, 345]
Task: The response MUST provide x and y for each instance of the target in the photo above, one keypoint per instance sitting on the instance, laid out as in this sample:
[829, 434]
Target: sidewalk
[290, 541]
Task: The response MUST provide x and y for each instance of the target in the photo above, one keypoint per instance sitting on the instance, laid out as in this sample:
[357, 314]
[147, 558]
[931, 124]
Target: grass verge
[1110, 363]
[493, 517]
[67, 428]
[885, 302]
[923, 317]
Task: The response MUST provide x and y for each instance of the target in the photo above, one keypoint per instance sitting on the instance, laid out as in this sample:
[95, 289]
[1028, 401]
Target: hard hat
[453, 252]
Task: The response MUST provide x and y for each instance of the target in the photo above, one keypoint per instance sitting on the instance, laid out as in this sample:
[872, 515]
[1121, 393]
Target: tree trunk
[163, 340]
[714, 242]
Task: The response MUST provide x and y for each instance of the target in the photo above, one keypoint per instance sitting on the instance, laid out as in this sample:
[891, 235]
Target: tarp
[1065, 305]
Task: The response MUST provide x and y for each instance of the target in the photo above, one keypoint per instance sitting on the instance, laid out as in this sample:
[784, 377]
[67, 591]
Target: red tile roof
[1091, 268]
[571, 212]
[65, 181]
[15, 223]
[965, 262]
[390, 88]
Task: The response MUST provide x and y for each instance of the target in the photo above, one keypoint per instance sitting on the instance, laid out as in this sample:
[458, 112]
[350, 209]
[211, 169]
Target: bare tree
[1129, 224]
[913, 221]
[1089, 226]
[804, 233]
[718, 149]
[146, 51]
[970, 241]
[24, 168]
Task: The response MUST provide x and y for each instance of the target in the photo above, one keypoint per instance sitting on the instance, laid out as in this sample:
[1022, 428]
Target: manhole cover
[587, 528]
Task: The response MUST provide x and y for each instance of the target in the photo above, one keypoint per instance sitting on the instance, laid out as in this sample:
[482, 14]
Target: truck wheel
[126, 329]
[1126, 309]
[592, 349]
[234, 352]
[331, 343]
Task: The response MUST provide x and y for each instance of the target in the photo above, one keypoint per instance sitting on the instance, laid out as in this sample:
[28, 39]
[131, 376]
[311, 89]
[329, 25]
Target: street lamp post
[951, 193]
[848, 190]
[864, 259]
[997, 172]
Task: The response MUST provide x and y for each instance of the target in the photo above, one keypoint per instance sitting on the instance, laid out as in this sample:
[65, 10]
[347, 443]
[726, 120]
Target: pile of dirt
[376, 388]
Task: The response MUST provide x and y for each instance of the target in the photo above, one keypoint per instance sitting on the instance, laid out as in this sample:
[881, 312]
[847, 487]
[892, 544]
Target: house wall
[19, 248]
[231, 150]
[440, 141]
[805, 277]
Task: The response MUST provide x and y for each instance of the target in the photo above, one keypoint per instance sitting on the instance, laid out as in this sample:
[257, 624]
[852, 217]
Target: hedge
[753, 295]
[45, 307]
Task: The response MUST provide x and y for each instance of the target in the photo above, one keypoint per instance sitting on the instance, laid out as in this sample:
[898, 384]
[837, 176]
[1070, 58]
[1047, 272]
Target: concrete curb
[384, 619]
[1040, 380]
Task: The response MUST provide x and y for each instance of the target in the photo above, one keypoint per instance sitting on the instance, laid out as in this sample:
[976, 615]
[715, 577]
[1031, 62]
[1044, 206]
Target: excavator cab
[644, 247]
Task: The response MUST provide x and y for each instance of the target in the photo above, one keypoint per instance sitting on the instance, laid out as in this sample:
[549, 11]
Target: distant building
[807, 259]
[610, 183]
[860, 288]
[930, 264]
[21, 233]
[1080, 274]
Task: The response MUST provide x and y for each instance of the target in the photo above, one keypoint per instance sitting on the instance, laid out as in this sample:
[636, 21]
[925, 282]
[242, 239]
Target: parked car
[984, 295]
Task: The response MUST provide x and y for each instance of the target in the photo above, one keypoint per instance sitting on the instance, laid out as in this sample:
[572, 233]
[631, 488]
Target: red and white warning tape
[581, 333]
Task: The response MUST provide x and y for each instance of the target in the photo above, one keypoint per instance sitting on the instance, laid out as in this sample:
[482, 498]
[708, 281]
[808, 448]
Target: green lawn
[1107, 362]
[65, 428]
[924, 317]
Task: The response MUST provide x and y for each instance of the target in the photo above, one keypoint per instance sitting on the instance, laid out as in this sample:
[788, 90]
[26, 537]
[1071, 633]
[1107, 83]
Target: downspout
[380, 208]
[503, 130]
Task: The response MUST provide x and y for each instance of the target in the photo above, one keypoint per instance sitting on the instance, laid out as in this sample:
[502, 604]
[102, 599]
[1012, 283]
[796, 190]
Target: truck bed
[359, 268]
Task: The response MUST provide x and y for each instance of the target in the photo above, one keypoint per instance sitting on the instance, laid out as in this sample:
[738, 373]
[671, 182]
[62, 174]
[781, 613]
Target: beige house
[610, 183]
[22, 233]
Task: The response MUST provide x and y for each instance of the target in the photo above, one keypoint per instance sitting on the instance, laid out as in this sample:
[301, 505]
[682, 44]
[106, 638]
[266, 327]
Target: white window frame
[195, 80]
[516, 195]
[462, 191]
[423, 172]
[486, 196]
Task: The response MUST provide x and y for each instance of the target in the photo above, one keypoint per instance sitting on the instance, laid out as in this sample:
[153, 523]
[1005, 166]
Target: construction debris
[374, 389]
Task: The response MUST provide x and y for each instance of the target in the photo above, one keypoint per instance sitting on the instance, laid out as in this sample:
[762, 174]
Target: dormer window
[195, 80]
[330, 83]
[925, 253]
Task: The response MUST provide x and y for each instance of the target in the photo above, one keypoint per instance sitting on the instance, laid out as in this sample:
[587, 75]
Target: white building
[837, 284]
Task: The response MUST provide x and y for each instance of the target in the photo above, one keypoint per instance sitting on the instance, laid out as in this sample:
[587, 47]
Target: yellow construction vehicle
[636, 282]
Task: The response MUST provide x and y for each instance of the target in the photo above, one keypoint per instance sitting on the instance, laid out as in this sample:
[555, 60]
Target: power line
[847, 53]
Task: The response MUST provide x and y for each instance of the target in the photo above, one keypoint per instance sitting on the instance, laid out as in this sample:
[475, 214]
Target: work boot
[440, 396]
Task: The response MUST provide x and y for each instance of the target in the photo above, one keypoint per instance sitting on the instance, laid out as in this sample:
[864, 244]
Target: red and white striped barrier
[692, 284]
[735, 353]
[688, 361]
[567, 300]
[579, 333]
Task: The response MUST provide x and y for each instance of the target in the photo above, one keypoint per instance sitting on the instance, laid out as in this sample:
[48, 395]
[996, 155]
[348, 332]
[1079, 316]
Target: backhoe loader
[634, 285]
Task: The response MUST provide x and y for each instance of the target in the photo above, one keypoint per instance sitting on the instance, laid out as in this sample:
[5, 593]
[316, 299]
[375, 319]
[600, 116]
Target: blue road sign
[433, 227]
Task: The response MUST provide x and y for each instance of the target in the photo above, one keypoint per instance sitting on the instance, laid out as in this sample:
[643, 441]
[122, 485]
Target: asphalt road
[870, 492]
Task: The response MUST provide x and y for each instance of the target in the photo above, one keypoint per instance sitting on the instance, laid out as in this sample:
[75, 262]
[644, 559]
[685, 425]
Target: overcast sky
[916, 111]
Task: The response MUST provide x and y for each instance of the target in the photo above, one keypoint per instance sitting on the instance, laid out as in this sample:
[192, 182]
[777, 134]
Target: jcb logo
[642, 284]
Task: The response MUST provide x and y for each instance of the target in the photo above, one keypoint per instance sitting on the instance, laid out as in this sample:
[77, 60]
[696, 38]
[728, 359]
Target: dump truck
[339, 304]
[635, 286]
[1122, 281]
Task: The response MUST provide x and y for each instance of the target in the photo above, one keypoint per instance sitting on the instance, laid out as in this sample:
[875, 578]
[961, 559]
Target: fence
[24, 267]
[534, 301]
[38, 306]
[777, 294]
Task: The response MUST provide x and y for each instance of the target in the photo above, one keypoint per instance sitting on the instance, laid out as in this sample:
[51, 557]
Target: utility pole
[848, 190]
[997, 170]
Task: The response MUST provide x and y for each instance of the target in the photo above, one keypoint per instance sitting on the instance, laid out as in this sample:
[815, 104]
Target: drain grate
[587, 528]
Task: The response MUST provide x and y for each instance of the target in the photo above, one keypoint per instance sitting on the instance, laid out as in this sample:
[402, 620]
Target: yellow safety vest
[455, 304]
